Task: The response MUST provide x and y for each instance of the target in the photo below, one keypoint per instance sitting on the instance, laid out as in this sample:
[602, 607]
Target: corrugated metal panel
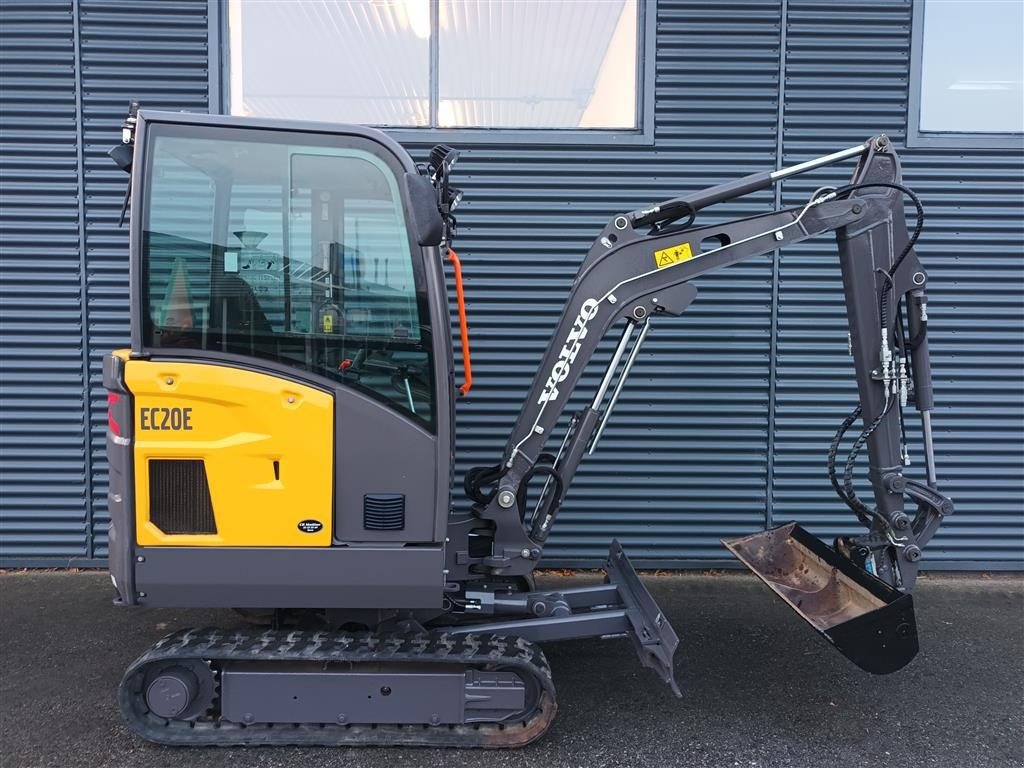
[683, 461]
[42, 459]
[686, 459]
[68, 73]
[846, 78]
[156, 53]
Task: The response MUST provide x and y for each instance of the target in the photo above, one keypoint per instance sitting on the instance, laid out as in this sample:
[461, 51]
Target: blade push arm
[634, 276]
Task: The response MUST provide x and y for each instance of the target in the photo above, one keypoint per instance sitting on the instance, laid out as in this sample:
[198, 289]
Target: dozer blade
[653, 637]
[869, 622]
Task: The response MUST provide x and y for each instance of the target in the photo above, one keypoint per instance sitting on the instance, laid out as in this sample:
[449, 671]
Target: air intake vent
[384, 512]
[179, 497]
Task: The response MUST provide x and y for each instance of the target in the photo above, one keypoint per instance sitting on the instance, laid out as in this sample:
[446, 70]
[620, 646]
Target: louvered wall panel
[847, 77]
[683, 461]
[686, 457]
[42, 457]
[156, 53]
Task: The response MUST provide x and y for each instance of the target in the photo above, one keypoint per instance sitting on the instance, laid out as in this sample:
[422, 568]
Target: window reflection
[291, 253]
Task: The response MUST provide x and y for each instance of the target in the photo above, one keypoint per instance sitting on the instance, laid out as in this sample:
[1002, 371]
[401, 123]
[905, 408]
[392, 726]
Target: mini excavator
[281, 437]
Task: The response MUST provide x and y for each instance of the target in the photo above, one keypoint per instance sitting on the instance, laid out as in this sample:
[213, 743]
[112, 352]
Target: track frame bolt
[342, 718]
[435, 719]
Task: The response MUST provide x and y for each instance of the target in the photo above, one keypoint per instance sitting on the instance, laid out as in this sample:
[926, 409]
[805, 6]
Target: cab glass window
[293, 253]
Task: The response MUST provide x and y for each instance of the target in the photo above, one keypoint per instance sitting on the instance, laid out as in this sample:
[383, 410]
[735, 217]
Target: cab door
[279, 260]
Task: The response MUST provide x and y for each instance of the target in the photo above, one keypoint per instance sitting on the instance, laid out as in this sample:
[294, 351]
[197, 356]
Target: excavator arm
[640, 268]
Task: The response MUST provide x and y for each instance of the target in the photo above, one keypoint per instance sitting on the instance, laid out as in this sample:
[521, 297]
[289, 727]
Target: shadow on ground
[760, 688]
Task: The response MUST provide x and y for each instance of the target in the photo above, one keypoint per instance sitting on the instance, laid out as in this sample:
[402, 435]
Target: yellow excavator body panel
[266, 444]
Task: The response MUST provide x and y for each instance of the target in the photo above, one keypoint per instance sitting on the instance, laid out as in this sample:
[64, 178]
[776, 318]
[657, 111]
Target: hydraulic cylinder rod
[618, 385]
[742, 186]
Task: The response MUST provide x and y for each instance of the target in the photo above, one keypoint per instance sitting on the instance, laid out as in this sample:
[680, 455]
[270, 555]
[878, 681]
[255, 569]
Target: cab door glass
[292, 253]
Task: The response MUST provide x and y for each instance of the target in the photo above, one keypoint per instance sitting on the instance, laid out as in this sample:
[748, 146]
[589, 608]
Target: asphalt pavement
[761, 689]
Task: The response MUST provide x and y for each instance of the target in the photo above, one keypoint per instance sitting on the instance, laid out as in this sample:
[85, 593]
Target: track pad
[868, 621]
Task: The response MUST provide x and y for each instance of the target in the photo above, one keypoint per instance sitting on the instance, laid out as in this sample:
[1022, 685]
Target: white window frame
[954, 139]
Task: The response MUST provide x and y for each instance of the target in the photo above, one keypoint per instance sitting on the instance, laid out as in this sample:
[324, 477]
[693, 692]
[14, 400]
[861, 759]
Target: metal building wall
[68, 69]
[683, 462]
[44, 440]
[726, 421]
[724, 424]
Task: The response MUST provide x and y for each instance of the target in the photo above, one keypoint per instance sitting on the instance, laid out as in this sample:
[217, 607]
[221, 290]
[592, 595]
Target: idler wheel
[180, 691]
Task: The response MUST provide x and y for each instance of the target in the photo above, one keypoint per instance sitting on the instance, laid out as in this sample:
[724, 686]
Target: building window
[452, 64]
[968, 73]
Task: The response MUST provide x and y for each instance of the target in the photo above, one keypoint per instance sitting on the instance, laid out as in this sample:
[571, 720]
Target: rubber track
[220, 645]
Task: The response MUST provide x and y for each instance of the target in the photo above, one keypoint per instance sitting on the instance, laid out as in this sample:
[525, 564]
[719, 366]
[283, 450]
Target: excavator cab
[281, 433]
[286, 388]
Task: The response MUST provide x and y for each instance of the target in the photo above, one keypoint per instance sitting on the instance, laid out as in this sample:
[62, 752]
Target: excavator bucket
[869, 622]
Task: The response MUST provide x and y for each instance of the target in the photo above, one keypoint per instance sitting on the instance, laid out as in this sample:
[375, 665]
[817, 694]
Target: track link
[216, 646]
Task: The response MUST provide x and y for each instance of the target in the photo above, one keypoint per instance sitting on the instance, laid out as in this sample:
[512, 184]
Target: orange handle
[467, 365]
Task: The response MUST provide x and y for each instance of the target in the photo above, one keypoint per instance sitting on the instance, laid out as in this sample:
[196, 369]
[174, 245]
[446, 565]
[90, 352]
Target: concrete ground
[760, 688]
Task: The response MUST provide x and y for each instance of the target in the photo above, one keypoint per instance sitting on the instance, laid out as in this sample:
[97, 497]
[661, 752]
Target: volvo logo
[567, 356]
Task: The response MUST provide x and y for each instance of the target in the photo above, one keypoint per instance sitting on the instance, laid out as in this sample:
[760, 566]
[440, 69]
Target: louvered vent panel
[179, 496]
[384, 512]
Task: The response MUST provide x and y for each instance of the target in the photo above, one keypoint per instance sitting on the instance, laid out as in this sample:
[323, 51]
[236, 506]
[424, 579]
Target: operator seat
[235, 313]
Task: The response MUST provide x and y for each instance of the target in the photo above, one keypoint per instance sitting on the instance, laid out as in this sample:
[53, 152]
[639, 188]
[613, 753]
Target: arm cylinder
[924, 401]
[917, 324]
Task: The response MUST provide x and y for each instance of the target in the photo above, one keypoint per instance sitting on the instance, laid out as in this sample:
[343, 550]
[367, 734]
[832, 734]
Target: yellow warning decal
[673, 255]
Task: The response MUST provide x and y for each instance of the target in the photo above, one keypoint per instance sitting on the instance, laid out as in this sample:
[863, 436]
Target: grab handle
[467, 365]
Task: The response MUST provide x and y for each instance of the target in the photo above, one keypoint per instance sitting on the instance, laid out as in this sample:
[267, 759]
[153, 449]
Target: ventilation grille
[384, 512]
[179, 497]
